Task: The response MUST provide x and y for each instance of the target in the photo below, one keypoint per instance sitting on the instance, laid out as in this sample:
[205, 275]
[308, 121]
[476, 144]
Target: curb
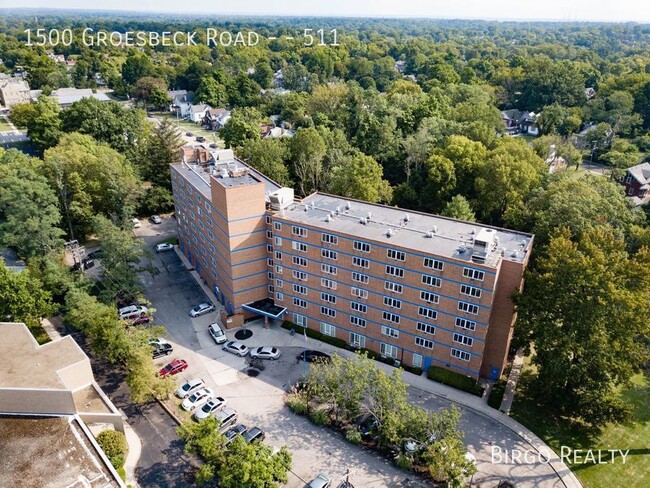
[169, 412]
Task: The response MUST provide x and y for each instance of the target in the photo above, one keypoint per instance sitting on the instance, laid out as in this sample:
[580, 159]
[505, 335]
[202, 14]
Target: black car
[313, 356]
[368, 426]
[253, 435]
[160, 350]
[234, 432]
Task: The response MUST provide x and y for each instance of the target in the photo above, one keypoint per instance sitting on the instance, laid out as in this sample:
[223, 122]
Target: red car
[175, 367]
[145, 319]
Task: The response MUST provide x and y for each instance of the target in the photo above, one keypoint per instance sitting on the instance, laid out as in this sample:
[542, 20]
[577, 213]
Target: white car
[212, 406]
[155, 219]
[266, 352]
[190, 387]
[196, 399]
[236, 347]
[202, 309]
[217, 333]
[132, 312]
[164, 247]
[136, 224]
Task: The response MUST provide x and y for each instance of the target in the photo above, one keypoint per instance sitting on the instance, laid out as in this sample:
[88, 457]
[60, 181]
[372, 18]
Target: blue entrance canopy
[265, 307]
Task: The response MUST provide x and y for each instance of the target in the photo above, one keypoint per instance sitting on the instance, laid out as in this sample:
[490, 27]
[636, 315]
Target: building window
[433, 264]
[299, 275]
[327, 297]
[428, 313]
[422, 342]
[389, 331]
[298, 231]
[465, 324]
[358, 307]
[279, 296]
[268, 217]
[458, 354]
[426, 328]
[361, 246]
[360, 278]
[330, 239]
[269, 234]
[278, 255]
[359, 292]
[431, 280]
[473, 274]
[278, 269]
[628, 179]
[329, 254]
[271, 289]
[270, 275]
[299, 320]
[630, 191]
[269, 262]
[299, 246]
[328, 269]
[396, 255]
[394, 271]
[360, 262]
[470, 291]
[328, 329]
[391, 317]
[394, 287]
[358, 321]
[277, 226]
[279, 283]
[417, 361]
[392, 302]
[330, 312]
[269, 248]
[357, 340]
[429, 297]
[298, 261]
[463, 339]
[301, 290]
[468, 307]
[299, 302]
[388, 350]
[329, 284]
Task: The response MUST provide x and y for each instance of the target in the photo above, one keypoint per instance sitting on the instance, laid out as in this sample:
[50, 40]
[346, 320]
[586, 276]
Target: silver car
[202, 309]
[266, 352]
[236, 347]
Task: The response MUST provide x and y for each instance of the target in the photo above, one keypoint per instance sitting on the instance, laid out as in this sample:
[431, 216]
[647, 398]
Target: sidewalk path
[513, 379]
[133, 456]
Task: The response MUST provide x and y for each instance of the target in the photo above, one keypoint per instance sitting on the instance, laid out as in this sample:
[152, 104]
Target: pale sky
[562, 10]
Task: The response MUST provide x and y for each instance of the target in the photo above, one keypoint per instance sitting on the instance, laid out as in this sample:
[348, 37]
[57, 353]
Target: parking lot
[259, 400]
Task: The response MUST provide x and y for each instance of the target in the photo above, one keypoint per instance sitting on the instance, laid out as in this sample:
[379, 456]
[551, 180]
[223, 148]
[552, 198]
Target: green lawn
[187, 126]
[4, 125]
[635, 473]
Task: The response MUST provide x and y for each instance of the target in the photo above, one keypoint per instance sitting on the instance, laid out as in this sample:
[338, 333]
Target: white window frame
[466, 324]
[330, 239]
[460, 354]
[428, 313]
[425, 343]
[431, 281]
[470, 291]
[388, 350]
[358, 321]
[474, 274]
[391, 317]
[426, 328]
[361, 246]
[360, 262]
[327, 283]
[469, 308]
[463, 339]
[393, 287]
[395, 271]
[392, 302]
[360, 277]
[357, 340]
[359, 307]
[396, 255]
[359, 292]
[390, 331]
[433, 263]
[327, 329]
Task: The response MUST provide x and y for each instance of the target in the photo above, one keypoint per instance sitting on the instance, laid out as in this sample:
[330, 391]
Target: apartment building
[422, 289]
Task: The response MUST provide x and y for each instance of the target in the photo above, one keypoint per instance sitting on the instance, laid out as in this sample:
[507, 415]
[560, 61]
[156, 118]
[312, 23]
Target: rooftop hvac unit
[328, 219]
[363, 221]
[281, 199]
[406, 217]
[348, 205]
[369, 216]
[389, 232]
[429, 234]
[514, 254]
[338, 209]
[435, 229]
[472, 232]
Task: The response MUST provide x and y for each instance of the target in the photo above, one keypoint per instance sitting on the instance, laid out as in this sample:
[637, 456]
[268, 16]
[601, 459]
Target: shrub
[353, 435]
[496, 394]
[314, 334]
[122, 472]
[319, 417]
[403, 461]
[412, 369]
[297, 404]
[450, 378]
[114, 445]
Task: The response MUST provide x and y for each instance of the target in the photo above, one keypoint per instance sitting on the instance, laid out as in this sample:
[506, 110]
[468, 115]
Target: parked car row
[240, 349]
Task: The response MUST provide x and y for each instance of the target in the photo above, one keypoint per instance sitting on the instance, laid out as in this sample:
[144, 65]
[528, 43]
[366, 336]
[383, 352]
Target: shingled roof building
[422, 289]
[636, 181]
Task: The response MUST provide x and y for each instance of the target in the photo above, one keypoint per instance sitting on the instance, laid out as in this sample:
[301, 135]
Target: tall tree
[29, 213]
[44, 126]
[243, 124]
[163, 149]
[307, 153]
[360, 177]
[268, 156]
[144, 89]
[254, 465]
[22, 298]
[584, 310]
[212, 92]
[459, 208]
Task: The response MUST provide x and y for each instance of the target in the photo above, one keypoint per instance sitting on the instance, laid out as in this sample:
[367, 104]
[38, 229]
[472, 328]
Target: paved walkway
[511, 385]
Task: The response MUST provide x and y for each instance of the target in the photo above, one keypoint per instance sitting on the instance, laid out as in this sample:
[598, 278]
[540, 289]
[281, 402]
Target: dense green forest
[402, 112]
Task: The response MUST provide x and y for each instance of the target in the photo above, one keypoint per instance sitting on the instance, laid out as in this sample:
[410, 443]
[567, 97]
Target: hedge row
[496, 394]
[450, 378]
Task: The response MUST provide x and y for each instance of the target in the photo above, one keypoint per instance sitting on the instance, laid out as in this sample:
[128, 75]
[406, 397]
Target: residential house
[277, 132]
[12, 261]
[636, 181]
[590, 93]
[68, 96]
[216, 118]
[198, 112]
[400, 66]
[181, 102]
[520, 122]
[278, 79]
[13, 91]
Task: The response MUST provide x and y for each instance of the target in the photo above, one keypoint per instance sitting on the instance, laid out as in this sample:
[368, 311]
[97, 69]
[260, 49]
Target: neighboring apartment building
[636, 181]
[422, 289]
[13, 91]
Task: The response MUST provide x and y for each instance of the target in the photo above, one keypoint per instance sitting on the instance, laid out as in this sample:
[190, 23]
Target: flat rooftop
[25, 364]
[229, 173]
[50, 452]
[425, 233]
